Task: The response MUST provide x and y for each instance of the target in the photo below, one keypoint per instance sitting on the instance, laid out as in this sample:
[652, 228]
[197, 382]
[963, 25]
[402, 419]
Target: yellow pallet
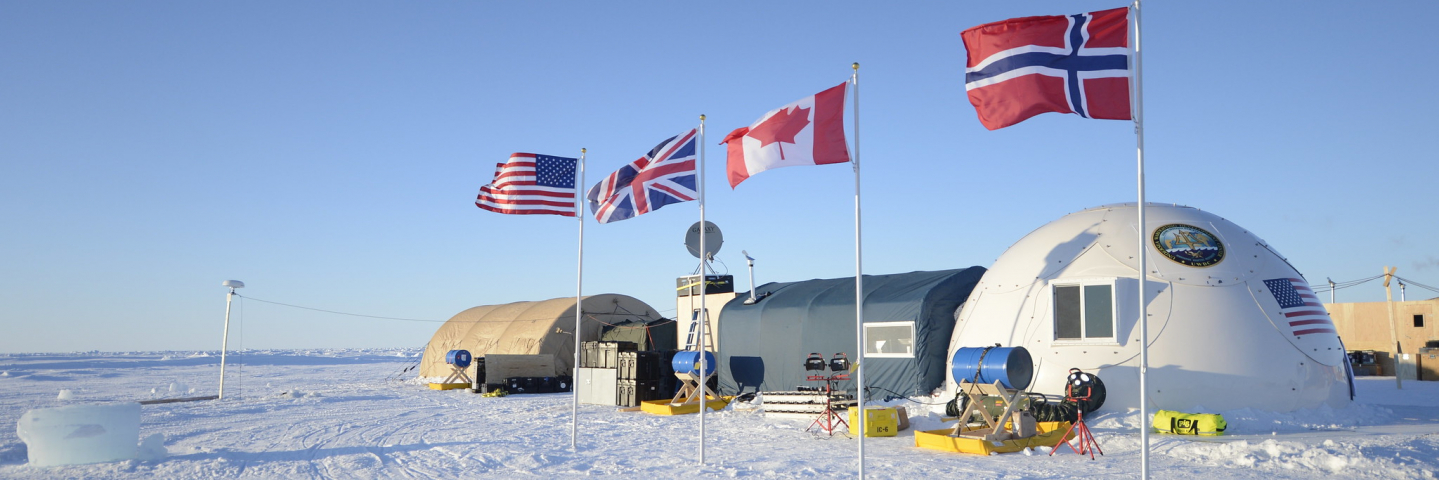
[448, 386]
[1049, 435]
[663, 407]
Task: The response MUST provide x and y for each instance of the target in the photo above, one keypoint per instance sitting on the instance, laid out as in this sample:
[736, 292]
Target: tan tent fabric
[528, 328]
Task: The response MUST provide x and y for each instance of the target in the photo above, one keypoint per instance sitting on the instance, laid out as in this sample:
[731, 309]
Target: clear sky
[328, 153]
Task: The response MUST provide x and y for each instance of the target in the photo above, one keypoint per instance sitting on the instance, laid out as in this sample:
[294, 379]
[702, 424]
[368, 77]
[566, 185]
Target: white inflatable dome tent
[1231, 323]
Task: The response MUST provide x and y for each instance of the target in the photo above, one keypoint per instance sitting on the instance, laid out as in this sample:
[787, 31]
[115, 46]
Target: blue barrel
[1012, 366]
[689, 362]
[458, 358]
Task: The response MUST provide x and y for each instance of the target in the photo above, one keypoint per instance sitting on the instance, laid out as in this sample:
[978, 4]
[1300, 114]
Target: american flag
[663, 176]
[1301, 308]
[531, 184]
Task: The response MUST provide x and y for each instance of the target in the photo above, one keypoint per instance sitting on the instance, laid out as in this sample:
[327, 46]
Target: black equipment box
[639, 365]
[690, 285]
[631, 392]
[522, 385]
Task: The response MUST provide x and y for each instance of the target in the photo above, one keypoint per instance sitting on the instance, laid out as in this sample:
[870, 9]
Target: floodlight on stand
[839, 363]
[814, 363]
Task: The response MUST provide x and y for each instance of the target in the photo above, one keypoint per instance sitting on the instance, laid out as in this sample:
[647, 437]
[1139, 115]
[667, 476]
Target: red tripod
[1080, 430]
[829, 420]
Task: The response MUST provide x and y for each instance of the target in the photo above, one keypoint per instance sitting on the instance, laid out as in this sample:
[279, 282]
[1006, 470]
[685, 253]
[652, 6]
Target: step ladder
[691, 342]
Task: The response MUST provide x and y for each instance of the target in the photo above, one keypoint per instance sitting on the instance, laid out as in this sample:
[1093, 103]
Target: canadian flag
[807, 132]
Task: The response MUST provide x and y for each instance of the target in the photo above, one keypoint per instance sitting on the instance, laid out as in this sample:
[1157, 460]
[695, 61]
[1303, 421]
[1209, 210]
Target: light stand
[225, 340]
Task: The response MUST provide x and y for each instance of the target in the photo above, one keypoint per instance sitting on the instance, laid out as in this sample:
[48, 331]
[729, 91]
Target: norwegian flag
[1022, 67]
[1301, 308]
[663, 176]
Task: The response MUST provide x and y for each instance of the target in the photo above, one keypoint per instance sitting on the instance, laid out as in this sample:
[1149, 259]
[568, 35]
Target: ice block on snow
[80, 434]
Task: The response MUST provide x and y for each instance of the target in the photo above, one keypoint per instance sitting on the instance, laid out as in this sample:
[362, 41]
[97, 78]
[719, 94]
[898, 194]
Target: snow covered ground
[357, 414]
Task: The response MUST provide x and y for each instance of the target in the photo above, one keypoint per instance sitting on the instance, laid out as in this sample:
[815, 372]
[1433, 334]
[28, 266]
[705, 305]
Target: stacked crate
[598, 372]
[644, 376]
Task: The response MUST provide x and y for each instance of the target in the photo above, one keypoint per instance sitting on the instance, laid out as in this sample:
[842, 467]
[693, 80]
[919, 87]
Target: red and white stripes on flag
[530, 184]
[1301, 308]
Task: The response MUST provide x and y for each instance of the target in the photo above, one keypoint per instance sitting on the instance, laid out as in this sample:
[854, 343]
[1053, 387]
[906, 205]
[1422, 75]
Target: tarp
[765, 344]
[647, 335]
[528, 328]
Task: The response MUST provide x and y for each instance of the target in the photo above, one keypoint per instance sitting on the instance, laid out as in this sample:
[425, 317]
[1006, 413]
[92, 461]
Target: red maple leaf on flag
[781, 128]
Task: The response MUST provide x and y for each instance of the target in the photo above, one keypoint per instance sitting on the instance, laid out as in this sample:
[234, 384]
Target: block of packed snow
[79, 434]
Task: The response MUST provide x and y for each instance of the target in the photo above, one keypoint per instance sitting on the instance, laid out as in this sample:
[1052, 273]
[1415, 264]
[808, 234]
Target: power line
[1347, 284]
[1416, 284]
[343, 313]
[593, 316]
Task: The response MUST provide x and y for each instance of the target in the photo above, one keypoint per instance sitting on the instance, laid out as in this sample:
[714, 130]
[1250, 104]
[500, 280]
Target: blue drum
[458, 358]
[1012, 366]
[689, 362]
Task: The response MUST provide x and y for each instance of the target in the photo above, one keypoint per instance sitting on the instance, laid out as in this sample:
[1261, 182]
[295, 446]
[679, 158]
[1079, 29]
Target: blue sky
[328, 153]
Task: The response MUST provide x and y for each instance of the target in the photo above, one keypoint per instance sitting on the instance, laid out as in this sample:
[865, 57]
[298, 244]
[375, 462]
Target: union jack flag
[1022, 67]
[663, 176]
[1301, 308]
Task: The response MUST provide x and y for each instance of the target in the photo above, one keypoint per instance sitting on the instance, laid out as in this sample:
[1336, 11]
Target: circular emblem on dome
[1188, 245]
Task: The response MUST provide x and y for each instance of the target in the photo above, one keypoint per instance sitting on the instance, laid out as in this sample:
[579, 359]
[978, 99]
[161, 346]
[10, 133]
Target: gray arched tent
[908, 319]
[546, 326]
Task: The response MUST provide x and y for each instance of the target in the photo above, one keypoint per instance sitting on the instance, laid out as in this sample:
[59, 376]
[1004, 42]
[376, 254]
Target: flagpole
[1143, 249]
[858, 281]
[579, 290]
[704, 292]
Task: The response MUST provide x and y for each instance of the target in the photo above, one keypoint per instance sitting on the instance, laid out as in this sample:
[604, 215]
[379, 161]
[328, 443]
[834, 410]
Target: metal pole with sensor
[750, 259]
[225, 339]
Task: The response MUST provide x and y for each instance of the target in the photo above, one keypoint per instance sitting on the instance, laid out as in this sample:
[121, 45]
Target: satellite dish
[713, 240]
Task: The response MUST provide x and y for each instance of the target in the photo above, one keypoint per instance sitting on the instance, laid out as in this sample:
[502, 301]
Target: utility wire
[1416, 284]
[589, 315]
[1346, 284]
[343, 313]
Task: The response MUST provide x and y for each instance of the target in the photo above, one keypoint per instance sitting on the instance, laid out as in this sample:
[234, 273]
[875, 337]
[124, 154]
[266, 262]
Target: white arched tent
[529, 328]
[1232, 323]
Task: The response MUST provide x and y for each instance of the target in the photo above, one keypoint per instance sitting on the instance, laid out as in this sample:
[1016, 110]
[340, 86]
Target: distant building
[1365, 326]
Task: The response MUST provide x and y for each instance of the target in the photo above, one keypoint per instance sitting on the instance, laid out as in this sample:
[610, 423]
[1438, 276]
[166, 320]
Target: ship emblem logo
[1188, 245]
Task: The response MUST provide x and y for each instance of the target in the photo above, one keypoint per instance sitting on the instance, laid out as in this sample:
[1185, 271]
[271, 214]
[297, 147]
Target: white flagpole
[579, 291]
[858, 281]
[704, 292]
[1143, 249]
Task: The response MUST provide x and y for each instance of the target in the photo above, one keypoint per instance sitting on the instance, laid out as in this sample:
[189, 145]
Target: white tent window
[1084, 311]
[889, 340]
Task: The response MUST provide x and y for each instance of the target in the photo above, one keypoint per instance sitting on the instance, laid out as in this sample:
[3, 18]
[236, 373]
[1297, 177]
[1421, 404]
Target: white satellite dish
[713, 239]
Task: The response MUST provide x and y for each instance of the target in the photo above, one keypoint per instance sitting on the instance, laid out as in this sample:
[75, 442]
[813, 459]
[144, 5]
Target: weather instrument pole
[704, 292]
[858, 281]
[1142, 268]
[750, 259]
[579, 291]
[225, 339]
